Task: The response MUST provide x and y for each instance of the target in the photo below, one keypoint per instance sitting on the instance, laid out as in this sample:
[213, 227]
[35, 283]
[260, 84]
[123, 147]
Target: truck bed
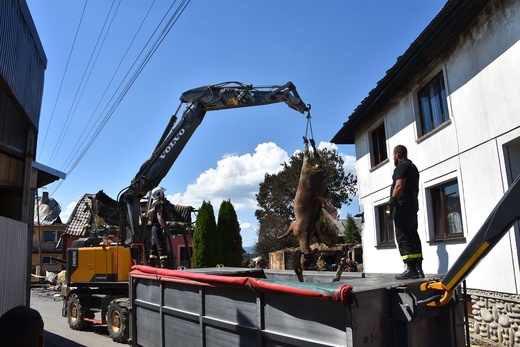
[255, 307]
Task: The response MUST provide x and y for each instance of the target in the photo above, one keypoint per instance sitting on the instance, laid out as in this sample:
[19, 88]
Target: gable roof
[443, 29]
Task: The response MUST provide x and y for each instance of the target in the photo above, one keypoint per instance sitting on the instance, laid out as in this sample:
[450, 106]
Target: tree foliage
[352, 232]
[229, 234]
[275, 198]
[206, 242]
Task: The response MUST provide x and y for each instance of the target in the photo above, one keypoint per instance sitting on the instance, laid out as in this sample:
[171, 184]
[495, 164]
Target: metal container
[196, 309]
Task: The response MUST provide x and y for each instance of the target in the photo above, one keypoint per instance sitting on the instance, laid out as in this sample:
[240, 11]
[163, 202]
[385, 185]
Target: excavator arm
[176, 135]
[499, 221]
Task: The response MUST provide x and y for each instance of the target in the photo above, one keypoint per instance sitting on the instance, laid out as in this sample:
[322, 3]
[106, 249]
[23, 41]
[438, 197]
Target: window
[48, 260]
[51, 235]
[385, 227]
[445, 202]
[378, 142]
[433, 104]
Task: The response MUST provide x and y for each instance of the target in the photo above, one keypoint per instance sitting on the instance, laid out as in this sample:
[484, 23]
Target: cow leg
[300, 263]
[341, 266]
[298, 269]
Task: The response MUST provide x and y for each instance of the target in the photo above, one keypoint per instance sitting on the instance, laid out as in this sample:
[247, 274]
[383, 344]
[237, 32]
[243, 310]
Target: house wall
[48, 248]
[479, 146]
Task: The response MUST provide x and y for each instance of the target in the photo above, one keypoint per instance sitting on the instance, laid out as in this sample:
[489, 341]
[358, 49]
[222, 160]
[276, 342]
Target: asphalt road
[57, 331]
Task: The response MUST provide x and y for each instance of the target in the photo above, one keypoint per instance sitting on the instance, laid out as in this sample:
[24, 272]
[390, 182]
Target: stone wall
[495, 317]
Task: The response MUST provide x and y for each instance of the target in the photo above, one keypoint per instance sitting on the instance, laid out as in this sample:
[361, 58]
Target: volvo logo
[172, 144]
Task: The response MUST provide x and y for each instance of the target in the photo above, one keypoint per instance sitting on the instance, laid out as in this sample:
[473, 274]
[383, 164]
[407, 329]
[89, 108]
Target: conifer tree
[206, 246]
[352, 232]
[229, 233]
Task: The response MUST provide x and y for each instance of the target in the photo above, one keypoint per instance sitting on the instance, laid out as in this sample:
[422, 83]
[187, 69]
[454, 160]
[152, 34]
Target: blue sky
[333, 51]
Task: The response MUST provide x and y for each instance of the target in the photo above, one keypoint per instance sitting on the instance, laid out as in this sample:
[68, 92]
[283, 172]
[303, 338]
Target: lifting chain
[309, 126]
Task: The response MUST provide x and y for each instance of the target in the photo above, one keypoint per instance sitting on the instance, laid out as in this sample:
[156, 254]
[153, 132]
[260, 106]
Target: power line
[82, 137]
[173, 19]
[71, 114]
[64, 73]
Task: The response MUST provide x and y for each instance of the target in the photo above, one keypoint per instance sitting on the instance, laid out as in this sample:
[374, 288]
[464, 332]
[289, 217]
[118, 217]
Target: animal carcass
[311, 219]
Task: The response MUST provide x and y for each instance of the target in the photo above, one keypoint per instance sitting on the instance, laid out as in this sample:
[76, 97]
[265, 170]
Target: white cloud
[244, 226]
[350, 163]
[349, 160]
[64, 215]
[235, 178]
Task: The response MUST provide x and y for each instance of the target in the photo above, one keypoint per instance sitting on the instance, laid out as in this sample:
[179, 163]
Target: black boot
[409, 273]
[418, 267]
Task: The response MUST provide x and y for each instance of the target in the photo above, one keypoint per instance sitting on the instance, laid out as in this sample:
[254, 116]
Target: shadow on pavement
[53, 340]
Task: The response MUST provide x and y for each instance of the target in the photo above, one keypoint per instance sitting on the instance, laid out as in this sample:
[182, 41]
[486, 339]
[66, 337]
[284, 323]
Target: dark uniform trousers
[408, 241]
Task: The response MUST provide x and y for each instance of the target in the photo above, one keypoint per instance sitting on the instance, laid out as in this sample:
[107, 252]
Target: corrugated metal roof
[46, 211]
[183, 213]
[22, 59]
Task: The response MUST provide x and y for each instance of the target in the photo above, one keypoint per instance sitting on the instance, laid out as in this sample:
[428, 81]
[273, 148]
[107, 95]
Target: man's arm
[160, 219]
[398, 188]
[394, 198]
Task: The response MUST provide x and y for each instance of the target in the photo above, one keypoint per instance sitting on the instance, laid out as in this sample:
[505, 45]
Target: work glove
[390, 208]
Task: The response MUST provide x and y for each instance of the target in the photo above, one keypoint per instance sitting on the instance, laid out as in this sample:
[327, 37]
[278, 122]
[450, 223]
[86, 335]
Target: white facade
[479, 146]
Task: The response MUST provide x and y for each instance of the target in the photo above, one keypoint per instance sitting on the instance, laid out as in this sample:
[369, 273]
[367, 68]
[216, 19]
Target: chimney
[45, 197]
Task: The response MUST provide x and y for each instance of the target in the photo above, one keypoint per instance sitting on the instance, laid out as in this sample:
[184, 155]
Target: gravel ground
[57, 331]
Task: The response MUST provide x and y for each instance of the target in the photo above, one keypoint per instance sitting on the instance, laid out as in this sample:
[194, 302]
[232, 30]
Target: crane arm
[499, 221]
[198, 101]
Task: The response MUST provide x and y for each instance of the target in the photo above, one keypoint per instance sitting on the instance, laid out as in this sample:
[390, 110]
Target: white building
[453, 99]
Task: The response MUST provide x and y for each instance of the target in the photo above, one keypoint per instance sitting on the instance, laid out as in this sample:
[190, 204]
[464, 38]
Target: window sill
[453, 240]
[434, 131]
[386, 246]
[374, 168]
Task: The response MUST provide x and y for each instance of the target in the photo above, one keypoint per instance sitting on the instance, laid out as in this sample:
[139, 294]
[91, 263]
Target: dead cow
[312, 189]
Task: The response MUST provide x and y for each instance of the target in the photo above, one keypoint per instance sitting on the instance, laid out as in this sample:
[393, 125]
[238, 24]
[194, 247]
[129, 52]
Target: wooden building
[22, 67]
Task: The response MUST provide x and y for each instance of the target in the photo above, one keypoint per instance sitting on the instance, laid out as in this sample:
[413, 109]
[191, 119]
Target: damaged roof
[443, 29]
[46, 211]
[87, 208]
[103, 206]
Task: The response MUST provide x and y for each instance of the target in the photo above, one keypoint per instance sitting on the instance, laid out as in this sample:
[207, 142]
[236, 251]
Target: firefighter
[402, 208]
[160, 214]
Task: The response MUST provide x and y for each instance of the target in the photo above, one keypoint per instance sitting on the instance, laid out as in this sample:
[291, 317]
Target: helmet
[158, 193]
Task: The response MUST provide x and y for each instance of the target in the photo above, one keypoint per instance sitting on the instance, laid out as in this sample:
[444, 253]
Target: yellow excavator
[97, 275]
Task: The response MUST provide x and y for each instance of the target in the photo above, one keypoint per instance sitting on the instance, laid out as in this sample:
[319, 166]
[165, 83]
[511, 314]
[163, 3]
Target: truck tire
[76, 315]
[117, 320]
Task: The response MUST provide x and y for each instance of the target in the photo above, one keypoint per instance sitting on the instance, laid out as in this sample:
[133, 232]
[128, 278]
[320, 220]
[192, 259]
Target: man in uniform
[402, 208]
[160, 214]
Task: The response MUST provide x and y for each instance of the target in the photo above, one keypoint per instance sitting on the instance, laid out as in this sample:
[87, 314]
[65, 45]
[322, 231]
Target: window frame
[436, 80]
[438, 203]
[378, 145]
[56, 235]
[385, 228]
